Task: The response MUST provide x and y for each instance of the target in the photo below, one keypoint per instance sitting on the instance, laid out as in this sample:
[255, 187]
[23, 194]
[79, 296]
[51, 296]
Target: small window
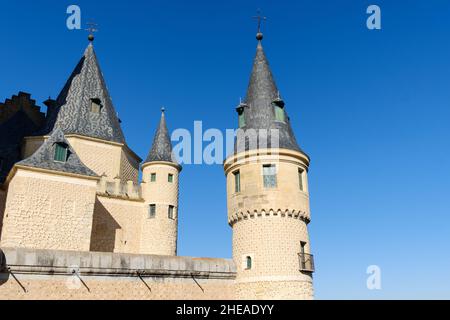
[171, 212]
[248, 263]
[300, 179]
[279, 113]
[152, 211]
[170, 178]
[60, 152]
[96, 105]
[241, 120]
[237, 181]
[153, 177]
[270, 176]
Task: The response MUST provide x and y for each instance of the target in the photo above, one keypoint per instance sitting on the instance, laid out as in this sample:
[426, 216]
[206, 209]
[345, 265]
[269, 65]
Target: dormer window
[278, 106]
[96, 105]
[241, 114]
[61, 152]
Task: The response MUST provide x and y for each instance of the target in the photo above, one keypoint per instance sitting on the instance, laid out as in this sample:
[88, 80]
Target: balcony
[306, 262]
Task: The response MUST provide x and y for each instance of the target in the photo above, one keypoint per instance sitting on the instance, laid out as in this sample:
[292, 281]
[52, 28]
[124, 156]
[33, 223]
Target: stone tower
[267, 196]
[160, 191]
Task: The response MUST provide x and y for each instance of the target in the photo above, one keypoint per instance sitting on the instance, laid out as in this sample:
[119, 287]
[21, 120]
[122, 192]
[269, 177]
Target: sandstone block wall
[48, 211]
[50, 275]
[117, 225]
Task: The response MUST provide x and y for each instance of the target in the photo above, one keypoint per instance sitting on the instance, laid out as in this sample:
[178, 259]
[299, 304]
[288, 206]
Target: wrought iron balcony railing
[306, 262]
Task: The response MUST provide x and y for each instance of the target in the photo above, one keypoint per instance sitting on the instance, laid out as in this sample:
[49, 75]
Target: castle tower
[267, 196]
[160, 192]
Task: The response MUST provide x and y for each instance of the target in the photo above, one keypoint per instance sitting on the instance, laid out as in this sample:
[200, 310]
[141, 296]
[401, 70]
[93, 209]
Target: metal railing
[306, 262]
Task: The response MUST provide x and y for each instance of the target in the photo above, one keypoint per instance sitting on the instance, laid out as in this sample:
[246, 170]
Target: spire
[262, 98]
[162, 146]
[84, 106]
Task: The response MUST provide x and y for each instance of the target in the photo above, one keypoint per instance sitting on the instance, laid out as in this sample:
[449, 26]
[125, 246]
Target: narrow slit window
[170, 178]
[248, 262]
[237, 181]
[270, 176]
[171, 212]
[152, 211]
[300, 180]
[60, 152]
[153, 177]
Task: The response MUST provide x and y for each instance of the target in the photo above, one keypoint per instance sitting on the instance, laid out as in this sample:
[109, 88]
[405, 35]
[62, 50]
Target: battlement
[118, 189]
[21, 101]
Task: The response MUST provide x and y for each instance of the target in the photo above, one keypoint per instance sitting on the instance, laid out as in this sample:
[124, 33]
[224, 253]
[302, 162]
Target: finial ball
[91, 37]
[259, 36]
[163, 109]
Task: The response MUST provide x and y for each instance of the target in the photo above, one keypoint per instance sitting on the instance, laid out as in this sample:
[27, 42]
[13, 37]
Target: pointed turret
[84, 106]
[162, 147]
[264, 108]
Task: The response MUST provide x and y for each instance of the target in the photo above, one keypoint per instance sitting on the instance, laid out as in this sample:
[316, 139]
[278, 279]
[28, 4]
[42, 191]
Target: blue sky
[371, 108]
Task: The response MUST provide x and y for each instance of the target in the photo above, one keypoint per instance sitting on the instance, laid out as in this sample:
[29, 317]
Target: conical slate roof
[162, 146]
[259, 112]
[73, 112]
[44, 157]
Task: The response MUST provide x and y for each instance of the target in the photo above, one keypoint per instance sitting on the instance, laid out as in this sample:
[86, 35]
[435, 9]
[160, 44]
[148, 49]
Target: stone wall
[48, 211]
[116, 225]
[57, 274]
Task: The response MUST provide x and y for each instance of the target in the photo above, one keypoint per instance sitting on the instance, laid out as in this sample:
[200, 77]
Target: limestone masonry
[76, 222]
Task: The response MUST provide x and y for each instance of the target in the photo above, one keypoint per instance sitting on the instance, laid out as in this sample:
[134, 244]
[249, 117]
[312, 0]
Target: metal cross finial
[92, 27]
[260, 19]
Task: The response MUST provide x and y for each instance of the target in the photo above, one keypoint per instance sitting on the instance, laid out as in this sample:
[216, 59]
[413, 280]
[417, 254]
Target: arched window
[248, 262]
[61, 152]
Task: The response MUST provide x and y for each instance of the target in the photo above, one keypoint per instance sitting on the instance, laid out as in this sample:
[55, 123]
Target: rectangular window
[171, 212]
[279, 113]
[300, 179]
[248, 262]
[241, 120]
[270, 176]
[152, 211]
[170, 178]
[237, 181]
[96, 105]
[60, 152]
[153, 177]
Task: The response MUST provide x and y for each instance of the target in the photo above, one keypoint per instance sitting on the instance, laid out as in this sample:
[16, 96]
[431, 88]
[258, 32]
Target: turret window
[170, 178]
[96, 105]
[279, 113]
[153, 177]
[171, 212]
[300, 179]
[237, 181]
[152, 211]
[248, 263]
[61, 152]
[241, 115]
[270, 176]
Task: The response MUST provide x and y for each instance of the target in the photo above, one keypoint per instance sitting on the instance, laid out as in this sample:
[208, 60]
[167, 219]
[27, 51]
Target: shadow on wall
[2, 209]
[4, 274]
[104, 229]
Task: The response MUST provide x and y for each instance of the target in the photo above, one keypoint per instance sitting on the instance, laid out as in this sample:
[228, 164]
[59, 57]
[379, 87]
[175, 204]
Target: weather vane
[260, 19]
[92, 27]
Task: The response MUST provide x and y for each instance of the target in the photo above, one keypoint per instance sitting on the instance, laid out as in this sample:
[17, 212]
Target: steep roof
[162, 146]
[72, 112]
[44, 157]
[258, 108]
